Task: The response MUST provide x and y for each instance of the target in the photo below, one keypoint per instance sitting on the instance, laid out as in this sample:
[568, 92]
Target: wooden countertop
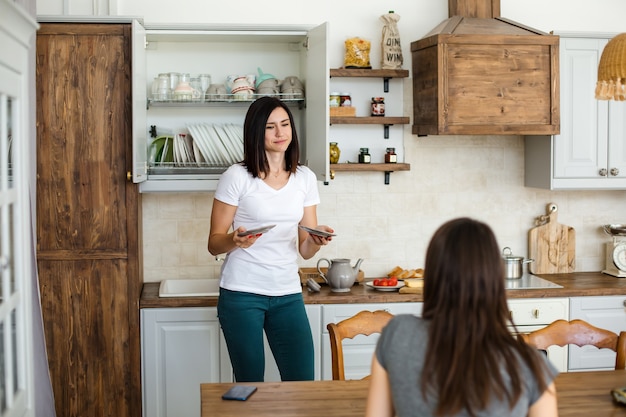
[574, 285]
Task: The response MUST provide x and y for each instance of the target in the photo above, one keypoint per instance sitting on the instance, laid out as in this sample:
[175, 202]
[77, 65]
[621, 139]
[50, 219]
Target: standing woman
[260, 289]
[459, 358]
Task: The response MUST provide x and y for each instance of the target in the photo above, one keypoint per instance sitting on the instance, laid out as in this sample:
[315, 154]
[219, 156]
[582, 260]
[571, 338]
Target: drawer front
[535, 311]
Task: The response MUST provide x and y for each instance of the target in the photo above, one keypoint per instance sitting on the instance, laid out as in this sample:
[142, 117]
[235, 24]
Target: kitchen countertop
[574, 285]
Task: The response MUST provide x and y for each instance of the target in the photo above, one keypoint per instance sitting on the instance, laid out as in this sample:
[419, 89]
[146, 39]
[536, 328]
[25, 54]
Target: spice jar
[334, 100]
[378, 106]
[364, 156]
[390, 156]
[345, 100]
[334, 152]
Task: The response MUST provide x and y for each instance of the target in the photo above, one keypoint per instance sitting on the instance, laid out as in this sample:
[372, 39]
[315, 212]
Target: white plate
[236, 139]
[316, 232]
[384, 287]
[258, 230]
[216, 145]
[198, 139]
[223, 136]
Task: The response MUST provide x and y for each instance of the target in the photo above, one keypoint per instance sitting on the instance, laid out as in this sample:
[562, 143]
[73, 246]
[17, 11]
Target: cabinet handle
[602, 172]
[129, 176]
[615, 172]
[624, 303]
[535, 313]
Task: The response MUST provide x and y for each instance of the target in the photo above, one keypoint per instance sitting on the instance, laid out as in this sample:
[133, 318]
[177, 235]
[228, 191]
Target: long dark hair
[254, 157]
[469, 344]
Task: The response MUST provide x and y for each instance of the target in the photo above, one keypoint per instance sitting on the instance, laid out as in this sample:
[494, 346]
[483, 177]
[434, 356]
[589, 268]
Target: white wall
[388, 225]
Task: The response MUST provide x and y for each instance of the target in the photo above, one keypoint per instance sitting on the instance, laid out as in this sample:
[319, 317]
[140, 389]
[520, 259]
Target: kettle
[340, 275]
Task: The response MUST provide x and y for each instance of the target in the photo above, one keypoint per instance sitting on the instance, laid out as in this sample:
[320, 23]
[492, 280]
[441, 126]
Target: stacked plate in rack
[216, 144]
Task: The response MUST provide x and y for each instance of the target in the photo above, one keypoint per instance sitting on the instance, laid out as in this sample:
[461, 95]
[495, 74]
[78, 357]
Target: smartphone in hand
[239, 392]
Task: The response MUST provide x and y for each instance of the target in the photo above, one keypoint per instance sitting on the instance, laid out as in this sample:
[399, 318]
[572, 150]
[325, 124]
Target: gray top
[401, 350]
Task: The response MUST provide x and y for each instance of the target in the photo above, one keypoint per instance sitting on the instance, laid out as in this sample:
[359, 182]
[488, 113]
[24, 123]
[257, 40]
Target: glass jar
[345, 100]
[334, 153]
[378, 106]
[334, 100]
[390, 156]
[364, 156]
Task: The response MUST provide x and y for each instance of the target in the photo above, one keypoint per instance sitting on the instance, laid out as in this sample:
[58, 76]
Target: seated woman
[459, 358]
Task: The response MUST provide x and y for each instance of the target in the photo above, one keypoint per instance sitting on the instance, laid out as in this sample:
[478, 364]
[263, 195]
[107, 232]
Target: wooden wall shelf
[371, 73]
[386, 168]
[369, 120]
[371, 167]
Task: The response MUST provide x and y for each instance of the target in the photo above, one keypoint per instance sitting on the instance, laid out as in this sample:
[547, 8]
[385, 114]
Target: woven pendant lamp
[611, 83]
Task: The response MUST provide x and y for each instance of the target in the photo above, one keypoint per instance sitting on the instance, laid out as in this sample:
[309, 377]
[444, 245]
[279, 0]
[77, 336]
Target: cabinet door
[359, 350]
[140, 133]
[180, 350]
[580, 151]
[607, 312]
[616, 167]
[317, 116]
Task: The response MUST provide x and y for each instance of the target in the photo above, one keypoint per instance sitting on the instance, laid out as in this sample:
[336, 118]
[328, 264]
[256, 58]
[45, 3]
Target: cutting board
[552, 245]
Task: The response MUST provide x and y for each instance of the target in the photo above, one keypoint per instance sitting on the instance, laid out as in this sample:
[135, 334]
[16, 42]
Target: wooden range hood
[479, 74]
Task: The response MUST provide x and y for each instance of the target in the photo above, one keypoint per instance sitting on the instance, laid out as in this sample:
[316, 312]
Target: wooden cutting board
[552, 245]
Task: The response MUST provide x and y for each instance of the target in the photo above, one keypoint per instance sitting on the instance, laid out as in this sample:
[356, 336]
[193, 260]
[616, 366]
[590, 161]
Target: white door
[16, 351]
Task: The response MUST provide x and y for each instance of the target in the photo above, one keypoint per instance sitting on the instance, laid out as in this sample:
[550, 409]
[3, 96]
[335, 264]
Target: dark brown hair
[469, 344]
[254, 157]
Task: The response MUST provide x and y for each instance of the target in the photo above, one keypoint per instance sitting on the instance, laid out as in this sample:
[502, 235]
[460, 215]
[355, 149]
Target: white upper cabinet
[222, 51]
[590, 151]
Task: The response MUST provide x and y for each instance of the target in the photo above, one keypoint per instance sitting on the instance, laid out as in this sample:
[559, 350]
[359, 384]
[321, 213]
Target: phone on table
[239, 392]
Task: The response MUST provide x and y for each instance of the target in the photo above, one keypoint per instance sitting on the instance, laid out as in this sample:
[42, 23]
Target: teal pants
[245, 316]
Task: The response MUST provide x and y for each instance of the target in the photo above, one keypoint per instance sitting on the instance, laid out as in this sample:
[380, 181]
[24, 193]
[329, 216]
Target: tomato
[377, 282]
[384, 282]
[393, 281]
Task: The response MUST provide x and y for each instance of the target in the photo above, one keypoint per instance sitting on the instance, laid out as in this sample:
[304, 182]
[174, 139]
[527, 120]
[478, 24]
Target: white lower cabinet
[530, 314]
[358, 351]
[183, 347]
[607, 312]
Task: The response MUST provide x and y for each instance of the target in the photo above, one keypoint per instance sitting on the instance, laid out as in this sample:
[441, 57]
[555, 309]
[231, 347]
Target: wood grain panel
[87, 219]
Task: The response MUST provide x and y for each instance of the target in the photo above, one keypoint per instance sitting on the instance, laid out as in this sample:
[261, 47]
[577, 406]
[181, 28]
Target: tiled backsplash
[389, 225]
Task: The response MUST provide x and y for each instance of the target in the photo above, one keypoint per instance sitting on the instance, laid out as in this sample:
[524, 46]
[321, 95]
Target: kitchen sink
[189, 288]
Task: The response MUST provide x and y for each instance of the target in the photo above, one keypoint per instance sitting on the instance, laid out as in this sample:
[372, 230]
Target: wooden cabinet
[590, 151]
[359, 350]
[184, 347]
[389, 120]
[608, 312]
[223, 51]
[88, 252]
[485, 76]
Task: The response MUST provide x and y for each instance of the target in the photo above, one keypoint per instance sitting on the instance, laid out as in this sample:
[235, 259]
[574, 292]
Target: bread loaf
[406, 273]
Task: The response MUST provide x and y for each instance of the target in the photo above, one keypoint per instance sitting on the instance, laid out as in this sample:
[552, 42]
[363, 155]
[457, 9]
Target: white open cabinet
[222, 51]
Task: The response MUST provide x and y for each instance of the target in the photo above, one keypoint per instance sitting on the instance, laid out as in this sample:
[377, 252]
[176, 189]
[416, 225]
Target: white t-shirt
[269, 267]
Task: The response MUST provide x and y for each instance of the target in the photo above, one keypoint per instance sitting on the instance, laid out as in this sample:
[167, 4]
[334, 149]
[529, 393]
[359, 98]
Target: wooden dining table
[579, 394]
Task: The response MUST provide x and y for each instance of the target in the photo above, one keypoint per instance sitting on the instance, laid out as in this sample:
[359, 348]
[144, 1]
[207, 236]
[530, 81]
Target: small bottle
[378, 106]
[345, 100]
[390, 156]
[364, 156]
[334, 100]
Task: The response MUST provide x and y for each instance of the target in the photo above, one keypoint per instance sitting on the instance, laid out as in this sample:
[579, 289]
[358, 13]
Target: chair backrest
[362, 323]
[579, 333]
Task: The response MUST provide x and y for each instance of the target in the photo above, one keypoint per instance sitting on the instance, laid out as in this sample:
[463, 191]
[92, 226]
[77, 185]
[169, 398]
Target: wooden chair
[579, 333]
[362, 323]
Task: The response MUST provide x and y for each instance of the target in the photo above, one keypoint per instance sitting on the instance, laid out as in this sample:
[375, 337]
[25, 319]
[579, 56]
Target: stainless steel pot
[513, 265]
